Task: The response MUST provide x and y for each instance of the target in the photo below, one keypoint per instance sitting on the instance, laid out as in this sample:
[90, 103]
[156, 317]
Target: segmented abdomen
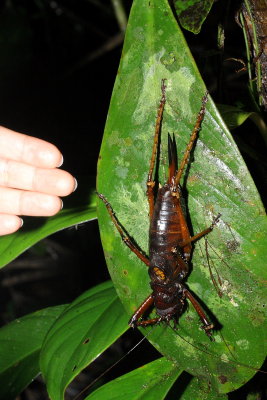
[165, 226]
[168, 230]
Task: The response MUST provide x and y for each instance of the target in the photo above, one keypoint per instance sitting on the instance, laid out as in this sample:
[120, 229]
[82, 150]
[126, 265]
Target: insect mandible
[170, 242]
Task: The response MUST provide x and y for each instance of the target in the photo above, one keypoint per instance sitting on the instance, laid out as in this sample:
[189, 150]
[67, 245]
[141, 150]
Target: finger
[9, 224]
[17, 175]
[19, 202]
[28, 149]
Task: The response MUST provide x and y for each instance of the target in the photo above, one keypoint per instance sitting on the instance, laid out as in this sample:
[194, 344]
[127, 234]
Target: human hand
[30, 181]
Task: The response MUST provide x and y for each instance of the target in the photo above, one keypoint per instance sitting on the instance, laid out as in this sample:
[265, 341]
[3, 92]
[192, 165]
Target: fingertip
[75, 184]
[49, 156]
[9, 224]
[52, 206]
[58, 206]
[65, 184]
[61, 161]
[42, 205]
[13, 222]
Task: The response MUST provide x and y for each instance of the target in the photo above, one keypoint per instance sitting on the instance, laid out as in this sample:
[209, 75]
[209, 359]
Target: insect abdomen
[166, 257]
[165, 227]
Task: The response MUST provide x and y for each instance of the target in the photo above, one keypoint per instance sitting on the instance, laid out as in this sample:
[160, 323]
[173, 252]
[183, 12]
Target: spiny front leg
[124, 237]
[150, 183]
[145, 306]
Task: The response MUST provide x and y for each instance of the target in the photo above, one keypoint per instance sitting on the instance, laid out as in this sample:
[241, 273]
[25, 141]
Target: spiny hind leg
[124, 237]
[150, 183]
[192, 140]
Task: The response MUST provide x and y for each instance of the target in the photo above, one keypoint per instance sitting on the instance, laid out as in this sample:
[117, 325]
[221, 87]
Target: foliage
[192, 13]
[84, 330]
[12, 246]
[21, 342]
[66, 339]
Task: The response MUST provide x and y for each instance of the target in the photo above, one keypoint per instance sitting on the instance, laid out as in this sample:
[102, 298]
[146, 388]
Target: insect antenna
[114, 364]
[228, 347]
[209, 261]
[221, 259]
[216, 355]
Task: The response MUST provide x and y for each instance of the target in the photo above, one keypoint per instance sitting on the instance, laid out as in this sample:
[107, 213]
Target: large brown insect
[170, 243]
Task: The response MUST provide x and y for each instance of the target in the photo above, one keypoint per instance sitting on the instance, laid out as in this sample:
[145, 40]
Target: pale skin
[30, 182]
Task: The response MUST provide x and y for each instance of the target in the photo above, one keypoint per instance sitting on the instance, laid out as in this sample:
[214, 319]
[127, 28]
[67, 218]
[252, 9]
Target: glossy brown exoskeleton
[170, 243]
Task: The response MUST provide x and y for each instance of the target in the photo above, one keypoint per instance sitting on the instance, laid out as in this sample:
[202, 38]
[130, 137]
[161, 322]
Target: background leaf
[154, 381]
[233, 116]
[11, 246]
[87, 327]
[151, 381]
[20, 344]
[192, 13]
[218, 181]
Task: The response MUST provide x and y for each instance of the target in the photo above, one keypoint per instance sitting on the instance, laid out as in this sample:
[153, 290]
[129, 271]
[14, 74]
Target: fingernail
[75, 184]
[61, 162]
[61, 204]
[21, 222]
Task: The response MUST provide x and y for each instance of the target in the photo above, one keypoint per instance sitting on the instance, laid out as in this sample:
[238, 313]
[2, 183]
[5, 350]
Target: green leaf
[233, 116]
[20, 344]
[151, 381]
[86, 328]
[154, 381]
[200, 390]
[217, 182]
[35, 229]
[192, 13]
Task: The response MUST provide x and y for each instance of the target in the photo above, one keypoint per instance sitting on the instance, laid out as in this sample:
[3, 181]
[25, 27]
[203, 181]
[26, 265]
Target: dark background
[44, 92]
[56, 79]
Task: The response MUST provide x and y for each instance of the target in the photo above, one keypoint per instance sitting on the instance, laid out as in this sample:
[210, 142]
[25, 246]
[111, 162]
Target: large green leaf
[35, 229]
[218, 181]
[151, 381]
[20, 345]
[154, 381]
[87, 327]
